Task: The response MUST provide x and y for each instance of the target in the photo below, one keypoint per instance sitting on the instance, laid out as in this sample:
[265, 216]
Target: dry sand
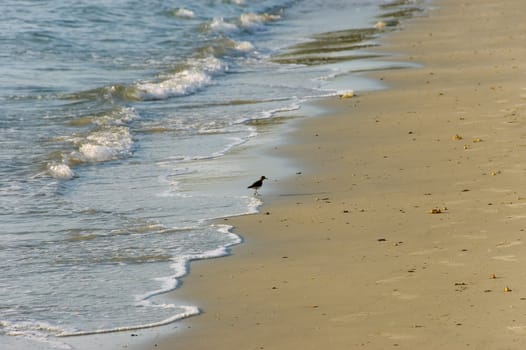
[350, 255]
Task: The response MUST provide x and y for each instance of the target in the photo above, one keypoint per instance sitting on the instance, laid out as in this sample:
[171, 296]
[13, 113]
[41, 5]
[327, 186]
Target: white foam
[180, 267]
[97, 153]
[244, 46]
[271, 113]
[110, 139]
[37, 332]
[188, 311]
[235, 141]
[227, 230]
[254, 21]
[119, 117]
[106, 144]
[183, 83]
[60, 171]
[184, 13]
[254, 204]
[219, 25]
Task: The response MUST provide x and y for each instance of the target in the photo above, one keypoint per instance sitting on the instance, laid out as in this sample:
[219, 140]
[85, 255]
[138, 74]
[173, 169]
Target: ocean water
[119, 124]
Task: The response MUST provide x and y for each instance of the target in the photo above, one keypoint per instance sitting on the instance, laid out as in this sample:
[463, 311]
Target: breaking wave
[188, 81]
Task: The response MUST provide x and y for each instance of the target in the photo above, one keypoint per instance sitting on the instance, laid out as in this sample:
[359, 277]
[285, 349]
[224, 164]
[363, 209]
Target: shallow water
[119, 124]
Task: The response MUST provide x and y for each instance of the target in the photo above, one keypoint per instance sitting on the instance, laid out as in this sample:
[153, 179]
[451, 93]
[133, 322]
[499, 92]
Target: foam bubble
[107, 145]
[122, 116]
[187, 312]
[34, 331]
[97, 153]
[119, 116]
[184, 13]
[256, 21]
[219, 25]
[108, 139]
[254, 204]
[182, 83]
[211, 65]
[60, 171]
[244, 46]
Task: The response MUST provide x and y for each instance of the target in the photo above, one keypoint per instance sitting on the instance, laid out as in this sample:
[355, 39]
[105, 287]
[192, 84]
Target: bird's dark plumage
[257, 185]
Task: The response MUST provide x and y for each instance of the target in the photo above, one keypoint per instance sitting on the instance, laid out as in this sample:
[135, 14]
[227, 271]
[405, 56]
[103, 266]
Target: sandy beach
[404, 226]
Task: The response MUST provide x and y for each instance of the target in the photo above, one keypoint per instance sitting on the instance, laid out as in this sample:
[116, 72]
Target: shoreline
[350, 254]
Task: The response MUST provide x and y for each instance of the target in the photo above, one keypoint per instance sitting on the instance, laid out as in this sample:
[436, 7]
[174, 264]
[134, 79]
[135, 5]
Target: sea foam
[187, 312]
[219, 25]
[184, 13]
[181, 84]
[186, 82]
[104, 145]
[244, 46]
[180, 268]
[254, 21]
[60, 171]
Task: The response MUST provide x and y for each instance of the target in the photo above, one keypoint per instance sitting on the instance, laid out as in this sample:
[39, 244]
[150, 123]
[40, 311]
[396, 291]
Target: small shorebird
[257, 185]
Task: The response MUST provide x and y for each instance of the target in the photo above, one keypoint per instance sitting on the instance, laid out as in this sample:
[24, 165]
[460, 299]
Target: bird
[257, 185]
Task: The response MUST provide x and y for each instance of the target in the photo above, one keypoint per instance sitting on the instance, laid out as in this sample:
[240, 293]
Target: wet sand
[405, 225]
